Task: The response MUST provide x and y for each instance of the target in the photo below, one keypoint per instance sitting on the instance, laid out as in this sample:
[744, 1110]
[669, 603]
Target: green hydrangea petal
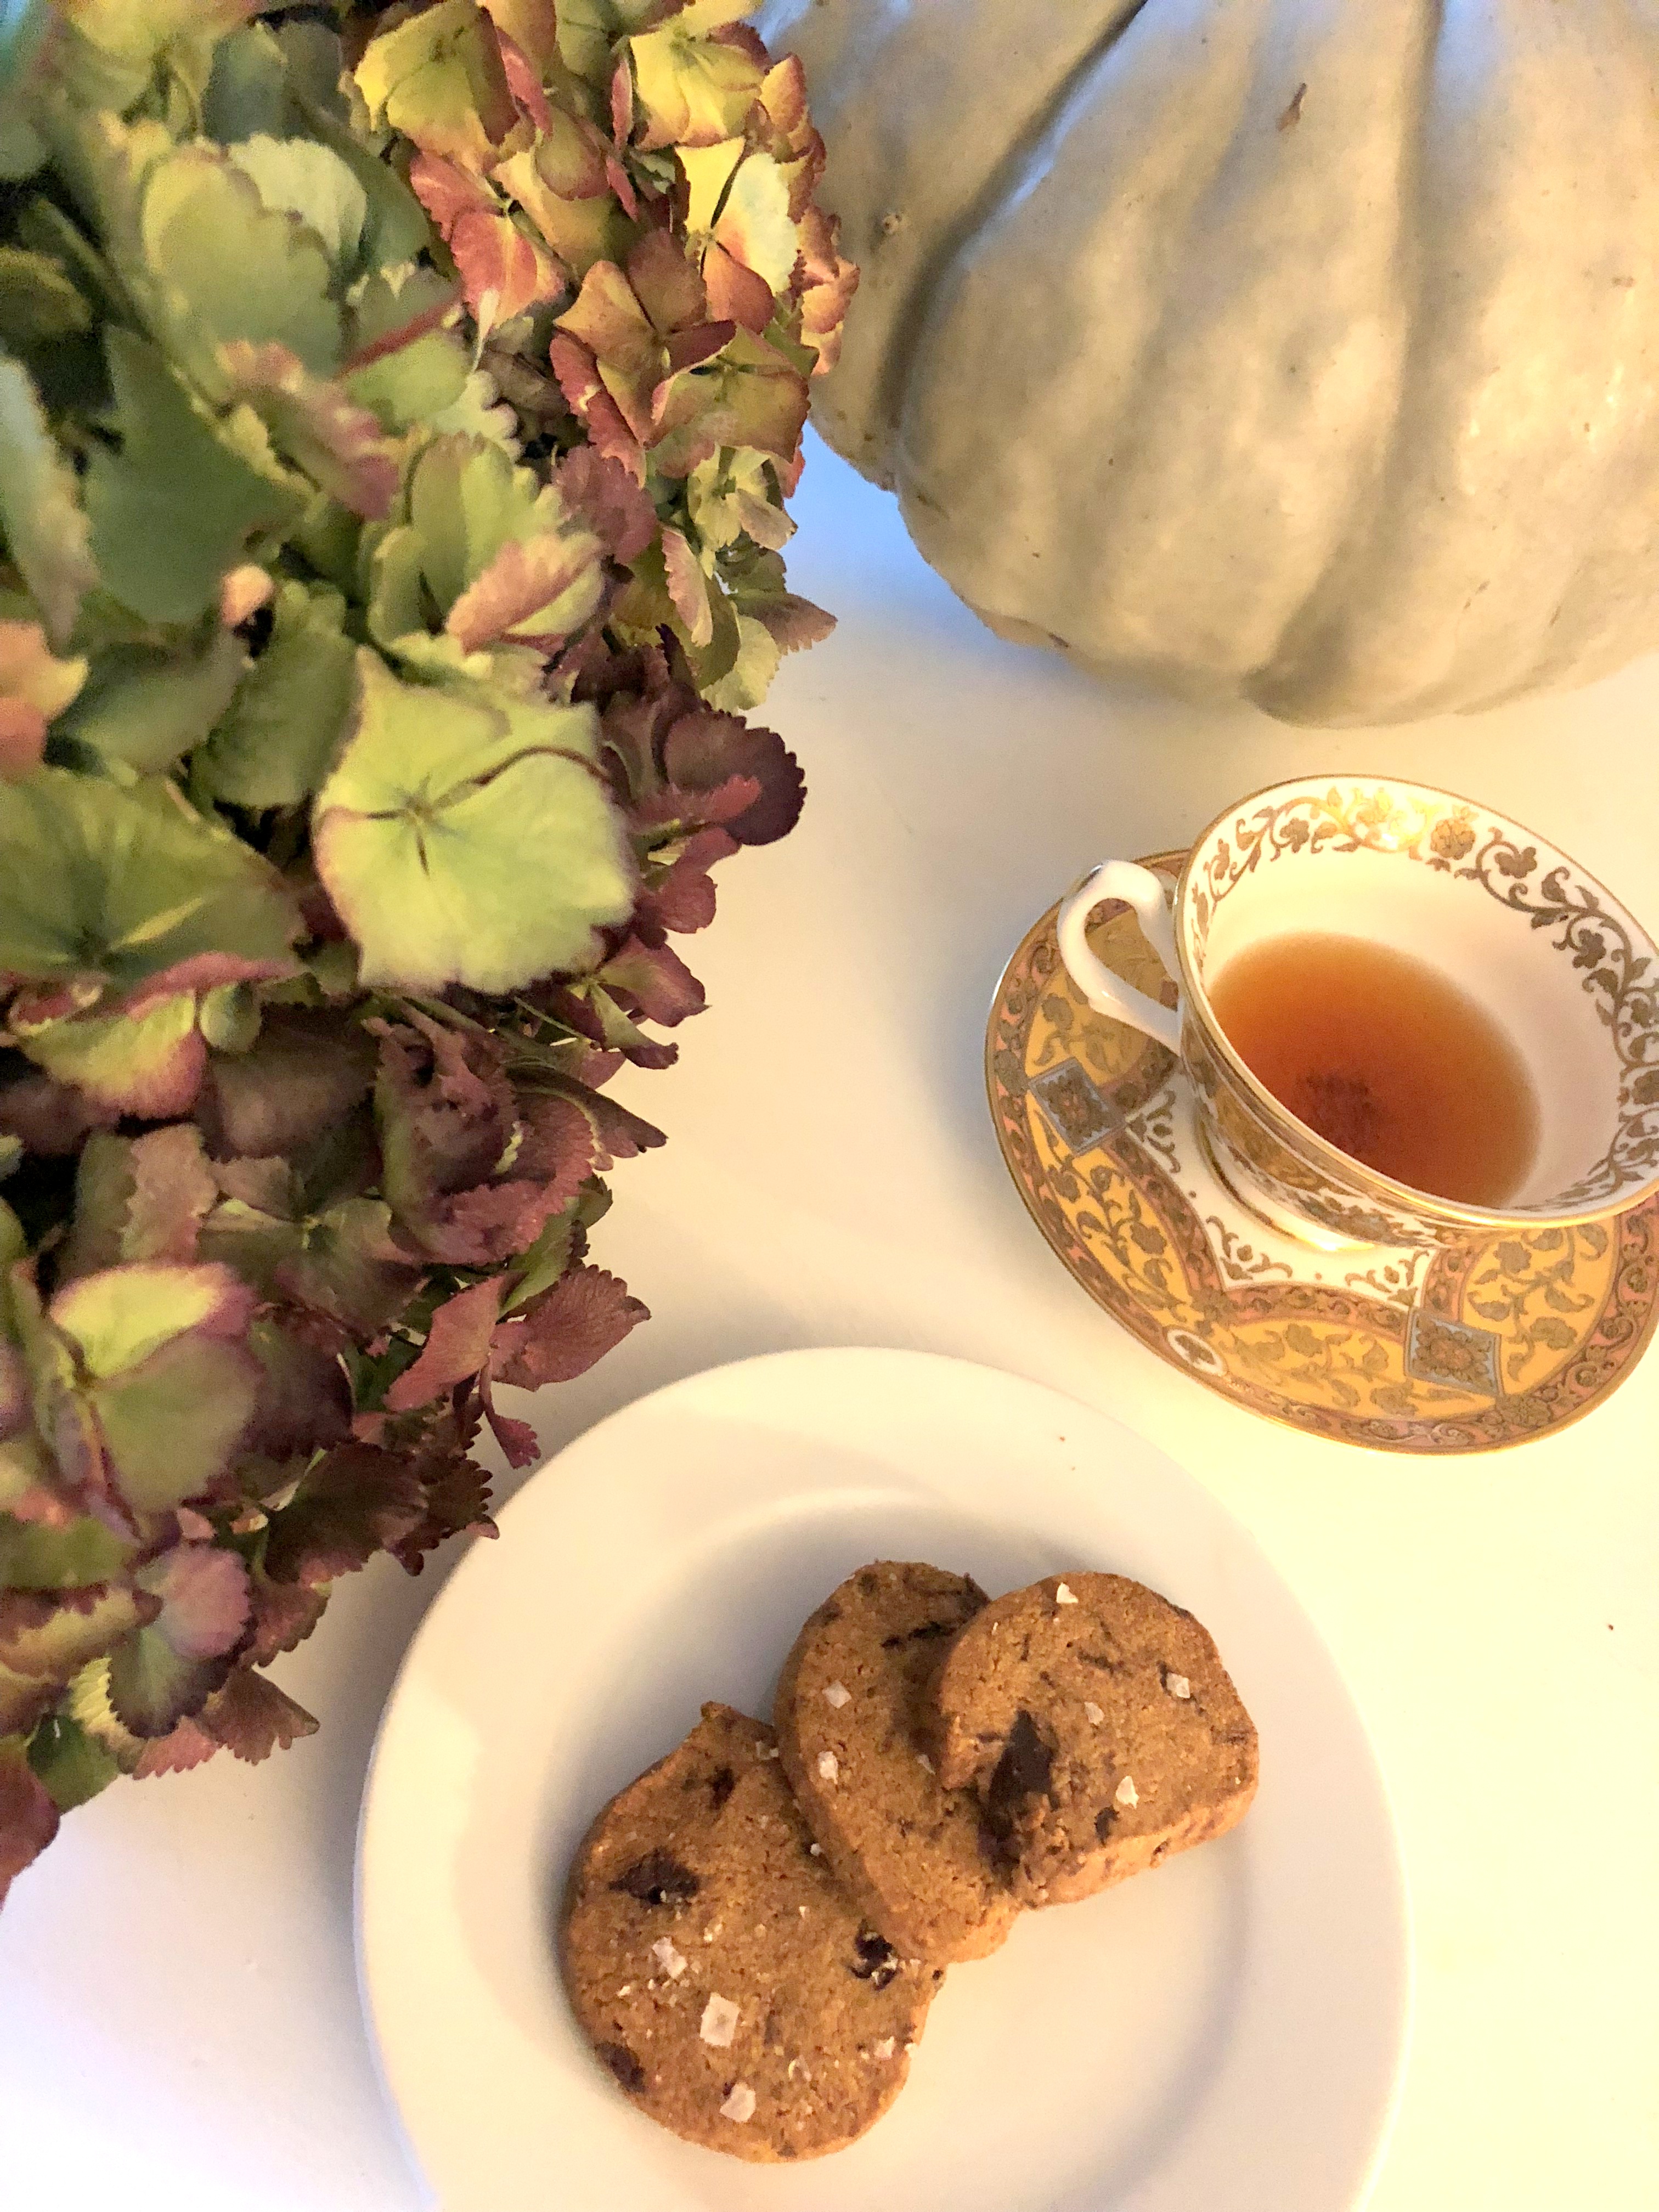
[126, 883]
[45, 529]
[179, 504]
[465, 839]
[274, 745]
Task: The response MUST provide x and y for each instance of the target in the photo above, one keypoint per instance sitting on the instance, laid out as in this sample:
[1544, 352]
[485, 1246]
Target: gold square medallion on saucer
[1490, 1343]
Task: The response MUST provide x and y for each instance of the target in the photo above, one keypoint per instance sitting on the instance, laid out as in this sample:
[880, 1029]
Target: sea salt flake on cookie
[1069, 1724]
[739, 2103]
[853, 1709]
[711, 1842]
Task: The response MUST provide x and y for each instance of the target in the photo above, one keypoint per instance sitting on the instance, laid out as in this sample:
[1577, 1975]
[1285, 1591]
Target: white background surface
[178, 2020]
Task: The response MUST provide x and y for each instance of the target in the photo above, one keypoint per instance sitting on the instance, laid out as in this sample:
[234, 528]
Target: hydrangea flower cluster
[397, 412]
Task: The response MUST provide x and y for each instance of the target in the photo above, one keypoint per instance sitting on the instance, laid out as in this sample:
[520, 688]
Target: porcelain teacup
[1543, 948]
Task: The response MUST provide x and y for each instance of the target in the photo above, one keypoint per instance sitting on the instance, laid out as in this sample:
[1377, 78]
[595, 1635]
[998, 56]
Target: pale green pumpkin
[1288, 349]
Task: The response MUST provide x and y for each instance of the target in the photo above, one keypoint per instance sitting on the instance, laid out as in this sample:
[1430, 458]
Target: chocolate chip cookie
[1100, 1730]
[855, 1721]
[722, 1973]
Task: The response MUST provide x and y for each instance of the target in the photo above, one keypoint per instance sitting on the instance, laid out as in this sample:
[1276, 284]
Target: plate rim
[1238, 1529]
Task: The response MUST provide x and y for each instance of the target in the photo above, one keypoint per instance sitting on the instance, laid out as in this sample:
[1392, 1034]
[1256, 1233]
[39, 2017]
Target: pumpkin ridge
[1312, 631]
[870, 184]
[1189, 190]
[1333, 664]
[1279, 349]
[1003, 186]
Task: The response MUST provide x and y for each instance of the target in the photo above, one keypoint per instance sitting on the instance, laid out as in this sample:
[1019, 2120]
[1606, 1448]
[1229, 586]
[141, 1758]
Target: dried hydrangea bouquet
[397, 412]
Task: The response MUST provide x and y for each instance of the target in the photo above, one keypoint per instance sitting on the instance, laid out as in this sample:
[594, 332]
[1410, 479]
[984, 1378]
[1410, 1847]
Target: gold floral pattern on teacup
[1582, 923]
[1486, 1340]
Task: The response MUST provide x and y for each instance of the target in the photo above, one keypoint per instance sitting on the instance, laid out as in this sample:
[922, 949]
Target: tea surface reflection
[1385, 1057]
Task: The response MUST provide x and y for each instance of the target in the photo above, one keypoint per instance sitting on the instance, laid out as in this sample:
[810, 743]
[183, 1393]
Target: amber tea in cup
[1386, 1058]
[1400, 1016]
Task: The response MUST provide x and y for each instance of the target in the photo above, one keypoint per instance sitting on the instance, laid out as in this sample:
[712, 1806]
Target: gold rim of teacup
[1289, 1128]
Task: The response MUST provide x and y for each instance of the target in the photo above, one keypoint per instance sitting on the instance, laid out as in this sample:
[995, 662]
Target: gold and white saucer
[1481, 1344]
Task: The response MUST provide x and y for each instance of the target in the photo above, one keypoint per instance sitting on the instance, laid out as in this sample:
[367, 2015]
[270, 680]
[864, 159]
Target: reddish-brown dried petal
[457, 1346]
[564, 1332]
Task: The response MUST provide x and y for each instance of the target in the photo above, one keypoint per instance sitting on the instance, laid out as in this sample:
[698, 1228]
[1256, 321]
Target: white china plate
[1225, 2035]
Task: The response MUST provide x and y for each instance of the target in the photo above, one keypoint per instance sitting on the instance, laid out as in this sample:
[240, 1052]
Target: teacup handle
[1106, 993]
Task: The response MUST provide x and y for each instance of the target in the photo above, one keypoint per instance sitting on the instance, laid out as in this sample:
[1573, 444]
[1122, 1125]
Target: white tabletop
[179, 2022]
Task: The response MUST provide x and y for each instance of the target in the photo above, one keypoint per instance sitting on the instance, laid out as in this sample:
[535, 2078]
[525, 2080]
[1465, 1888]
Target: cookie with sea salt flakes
[1099, 1726]
[854, 1717]
[721, 1971]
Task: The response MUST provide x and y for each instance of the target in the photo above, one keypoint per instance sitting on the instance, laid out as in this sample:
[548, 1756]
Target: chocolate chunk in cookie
[855, 1721]
[1099, 1726]
[723, 1975]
